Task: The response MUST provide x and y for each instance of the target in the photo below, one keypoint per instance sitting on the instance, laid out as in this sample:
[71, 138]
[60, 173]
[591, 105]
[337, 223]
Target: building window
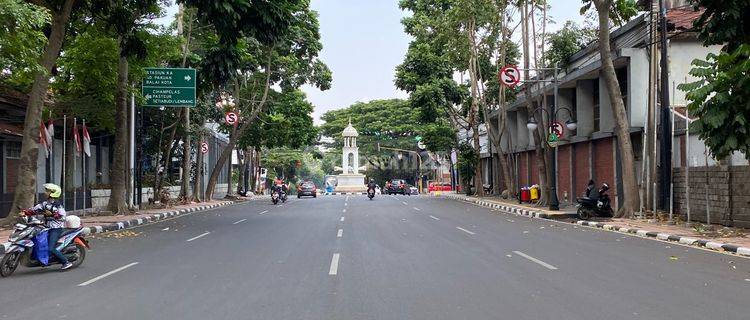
[622, 79]
[13, 150]
[595, 100]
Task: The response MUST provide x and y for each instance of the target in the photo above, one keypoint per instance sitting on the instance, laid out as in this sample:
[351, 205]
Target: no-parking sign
[510, 76]
[230, 118]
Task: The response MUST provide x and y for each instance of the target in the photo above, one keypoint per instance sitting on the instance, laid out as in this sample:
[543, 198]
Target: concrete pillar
[606, 115]
[584, 108]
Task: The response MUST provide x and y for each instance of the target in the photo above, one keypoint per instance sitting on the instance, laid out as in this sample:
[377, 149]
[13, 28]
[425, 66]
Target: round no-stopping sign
[230, 118]
[204, 147]
[510, 76]
[557, 128]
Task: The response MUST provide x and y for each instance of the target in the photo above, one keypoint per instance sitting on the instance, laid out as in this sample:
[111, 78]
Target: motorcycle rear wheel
[80, 254]
[9, 263]
[584, 214]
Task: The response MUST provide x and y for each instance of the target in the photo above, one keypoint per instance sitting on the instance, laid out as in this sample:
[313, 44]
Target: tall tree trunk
[543, 153]
[630, 188]
[230, 186]
[198, 170]
[165, 155]
[214, 177]
[119, 177]
[27, 164]
[241, 170]
[232, 134]
[539, 150]
[238, 132]
[474, 110]
[185, 179]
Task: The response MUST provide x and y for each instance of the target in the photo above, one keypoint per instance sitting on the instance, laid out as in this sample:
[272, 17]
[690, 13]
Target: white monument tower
[350, 180]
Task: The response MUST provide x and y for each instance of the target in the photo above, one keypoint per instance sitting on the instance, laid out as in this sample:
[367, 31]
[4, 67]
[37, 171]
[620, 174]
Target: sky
[363, 42]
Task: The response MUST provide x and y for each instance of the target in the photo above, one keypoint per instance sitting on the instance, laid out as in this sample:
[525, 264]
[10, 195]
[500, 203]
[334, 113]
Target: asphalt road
[340, 257]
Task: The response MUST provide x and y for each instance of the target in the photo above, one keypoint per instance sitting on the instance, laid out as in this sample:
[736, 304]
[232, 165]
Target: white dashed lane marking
[535, 260]
[464, 230]
[107, 274]
[334, 265]
[199, 236]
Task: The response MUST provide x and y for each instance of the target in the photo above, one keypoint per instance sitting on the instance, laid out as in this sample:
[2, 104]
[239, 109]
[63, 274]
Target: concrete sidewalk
[733, 242]
[512, 206]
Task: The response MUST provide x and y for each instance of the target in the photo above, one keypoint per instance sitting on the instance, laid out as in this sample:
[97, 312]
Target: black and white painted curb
[703, 243]
[149, 219]
[718, 246]
[142, 221]
[509, 209]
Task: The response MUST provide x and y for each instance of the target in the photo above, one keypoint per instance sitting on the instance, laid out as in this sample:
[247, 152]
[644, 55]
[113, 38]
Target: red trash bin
[525, 195]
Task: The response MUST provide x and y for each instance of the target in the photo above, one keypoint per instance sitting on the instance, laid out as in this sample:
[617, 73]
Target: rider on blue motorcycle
[54, 217]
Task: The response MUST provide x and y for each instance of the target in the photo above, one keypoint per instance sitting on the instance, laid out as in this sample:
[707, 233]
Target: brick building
[591, 151]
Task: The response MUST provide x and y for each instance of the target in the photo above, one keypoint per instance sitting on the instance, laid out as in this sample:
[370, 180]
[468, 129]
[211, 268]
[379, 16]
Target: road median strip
[686, 240]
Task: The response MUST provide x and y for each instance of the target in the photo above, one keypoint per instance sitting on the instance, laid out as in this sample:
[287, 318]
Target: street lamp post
[571, 124]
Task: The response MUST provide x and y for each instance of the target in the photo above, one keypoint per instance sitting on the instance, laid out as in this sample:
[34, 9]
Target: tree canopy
[22, 39]
[566, 42]
[720, 97]
[393, 123]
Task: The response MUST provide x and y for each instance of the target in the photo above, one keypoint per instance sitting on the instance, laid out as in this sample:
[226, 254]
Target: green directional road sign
[171, 87]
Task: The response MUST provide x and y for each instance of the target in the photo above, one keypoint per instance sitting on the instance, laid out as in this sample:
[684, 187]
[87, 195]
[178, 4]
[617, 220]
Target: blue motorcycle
[20, 245]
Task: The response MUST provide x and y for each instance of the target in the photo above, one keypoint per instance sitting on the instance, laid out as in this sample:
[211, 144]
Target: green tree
[23, 39]
[467, 163]
[617, 11]
[283, 54]
[720, 97]
[124, 19]
[566, 42]
[390, 122]
[59, 11]
[439, 137]
[287, 123]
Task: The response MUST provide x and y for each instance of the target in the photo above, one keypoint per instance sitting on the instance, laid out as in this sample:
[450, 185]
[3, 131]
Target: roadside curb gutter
[116, 226]
[150, 219]
[691, 241]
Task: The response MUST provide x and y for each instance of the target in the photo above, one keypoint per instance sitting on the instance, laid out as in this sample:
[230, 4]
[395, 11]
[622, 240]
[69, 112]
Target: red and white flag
[76, 137]
[51, 130]
[86, 141]
[44, 138]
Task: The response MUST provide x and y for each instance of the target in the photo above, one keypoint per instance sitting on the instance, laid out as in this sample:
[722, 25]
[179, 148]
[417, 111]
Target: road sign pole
[131, 160]
[554, 203]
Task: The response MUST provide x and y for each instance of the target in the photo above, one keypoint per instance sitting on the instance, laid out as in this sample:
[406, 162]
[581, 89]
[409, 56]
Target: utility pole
[648, 168]
[185, 179]
[666, 142]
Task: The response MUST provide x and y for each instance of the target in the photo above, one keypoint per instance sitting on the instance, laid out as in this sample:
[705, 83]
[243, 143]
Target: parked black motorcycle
[595, 205]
